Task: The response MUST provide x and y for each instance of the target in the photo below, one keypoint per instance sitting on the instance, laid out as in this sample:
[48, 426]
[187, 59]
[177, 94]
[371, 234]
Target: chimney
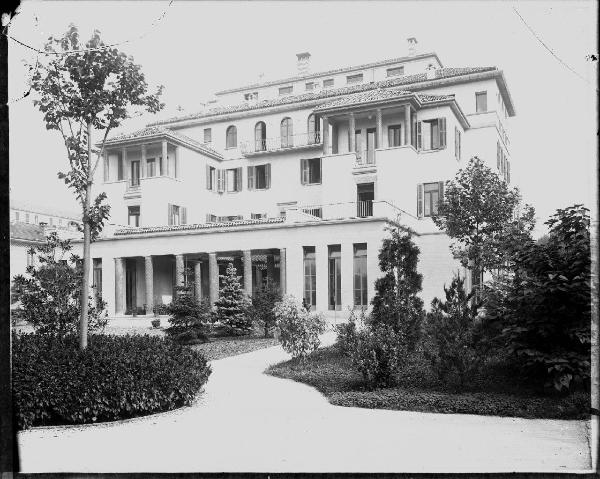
[303, 63]
[412, 46]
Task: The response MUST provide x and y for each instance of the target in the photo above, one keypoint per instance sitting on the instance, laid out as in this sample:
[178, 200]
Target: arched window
[287, 133]
[231, 137]
[260, 136]
[314, 129]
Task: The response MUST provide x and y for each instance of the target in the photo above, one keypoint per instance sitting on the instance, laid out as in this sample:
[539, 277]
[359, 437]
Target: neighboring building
[23, 237]
[295, 180]
[21, 212]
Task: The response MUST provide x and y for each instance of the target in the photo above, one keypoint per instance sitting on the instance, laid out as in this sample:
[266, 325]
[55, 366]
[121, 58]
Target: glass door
[135, 173]
[371, 146]
[335, 278]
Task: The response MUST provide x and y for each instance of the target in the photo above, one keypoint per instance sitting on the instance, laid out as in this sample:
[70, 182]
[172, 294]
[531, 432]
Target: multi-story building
[295, 180]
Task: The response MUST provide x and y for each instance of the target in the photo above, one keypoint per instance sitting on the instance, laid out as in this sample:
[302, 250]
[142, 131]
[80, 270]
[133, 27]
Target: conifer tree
[232, 305]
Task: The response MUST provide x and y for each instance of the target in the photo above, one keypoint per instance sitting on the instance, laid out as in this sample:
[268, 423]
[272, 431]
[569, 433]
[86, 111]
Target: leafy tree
[481, 213]
[541, 315]
[51, 296]
[232, 305]
[81, 87]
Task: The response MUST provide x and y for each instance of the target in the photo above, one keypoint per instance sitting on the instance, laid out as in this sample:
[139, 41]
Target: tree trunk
[83, 319]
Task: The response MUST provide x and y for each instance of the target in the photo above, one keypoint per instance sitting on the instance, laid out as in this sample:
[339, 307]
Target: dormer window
[286, 90]
[354, 79]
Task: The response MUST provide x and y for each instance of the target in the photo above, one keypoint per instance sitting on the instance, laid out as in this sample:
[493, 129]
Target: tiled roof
[200, 226]
[27, 232]
[327, 93]
[154, 130]
[379, 95]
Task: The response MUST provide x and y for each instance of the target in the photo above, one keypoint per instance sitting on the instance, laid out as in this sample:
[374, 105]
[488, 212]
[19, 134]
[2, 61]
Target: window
[310, 276]
[233, 179]
[309, 86]
[395, 71]
[431, 134]
[51, 220]
[353, 79]
[259, 177]
[251, 96]
[210, 178]
[97, 277]
[360, 275]
[16, 216]
[481, 101]
[457, 140]
[120, 167]
[394, 135]
[335, 277]
[26, 217]
[258, 216]
[35, 219]
[211, 218]
[106, 169]
[286, 90]
[59, 221]
[150, 167]
[318, 212]
[287, 133]
[30, 258]
[310, 171]
[133, 216]
[260, 136]
[328, 83]
[207, 135]
[314, 129]
[177, 215]
[428, 198]
[229, 219]
[231, 137]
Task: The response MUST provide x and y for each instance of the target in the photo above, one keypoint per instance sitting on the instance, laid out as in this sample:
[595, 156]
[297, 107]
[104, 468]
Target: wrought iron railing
[364, 208]
[281, 142]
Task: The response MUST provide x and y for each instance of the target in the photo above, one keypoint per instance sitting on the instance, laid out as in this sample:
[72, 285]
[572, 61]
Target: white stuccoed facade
[277, 185]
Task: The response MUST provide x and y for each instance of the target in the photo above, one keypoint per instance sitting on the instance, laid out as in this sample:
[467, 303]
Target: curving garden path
[248, 421]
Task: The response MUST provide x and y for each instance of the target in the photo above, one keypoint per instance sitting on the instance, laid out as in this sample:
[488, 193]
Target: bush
[299, 329]
[232, 307]
[347, 332]
[261, 311]
[451, 335]
[191, 337]
[115, 377]
[186, 314]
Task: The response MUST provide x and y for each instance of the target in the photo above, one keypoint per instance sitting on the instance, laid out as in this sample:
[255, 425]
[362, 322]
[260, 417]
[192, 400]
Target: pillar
[119, 286]
[179, 279]
[407, 125]
[248, 272]
[379, 128]
[351, 134]
[149, 277]
[270, 268]
[126, 171]
[143, 165]
[325, 136]
[213, 273]
[165, 157]
[282, 271]
[198, 280]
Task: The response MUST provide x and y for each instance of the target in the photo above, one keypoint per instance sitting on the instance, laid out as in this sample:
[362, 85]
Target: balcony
[133, 189]
[344, 210]
[300, 141]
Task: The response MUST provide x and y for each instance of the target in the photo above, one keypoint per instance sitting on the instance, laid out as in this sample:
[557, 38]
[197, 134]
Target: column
[325, 134]
[198, 280]
[213, 273]
[347, 268]
[179, 279]
[149, 276]
[248, 272]
[165, 158]
[379, 127]
[407, 125]
[282, 271]
[351, 130]
[119, 286]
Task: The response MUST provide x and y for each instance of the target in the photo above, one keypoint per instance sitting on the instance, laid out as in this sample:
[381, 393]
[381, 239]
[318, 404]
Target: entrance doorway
[371, 139]
[135, 173]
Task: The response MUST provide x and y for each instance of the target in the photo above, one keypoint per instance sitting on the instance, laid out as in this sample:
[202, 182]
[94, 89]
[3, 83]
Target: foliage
[451, 335]
[542, 313]
[116, 377]
[186, 315]
[299, 330]
[481, 213]
[396, 303]
[261, 312]
[50, 294]
[232, 305]
[346, 332]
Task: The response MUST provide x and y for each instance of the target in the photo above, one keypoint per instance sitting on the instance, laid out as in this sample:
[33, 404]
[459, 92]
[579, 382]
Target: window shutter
[238, 179]
[268, 175]
[183, 215]
[220, 181]
[250, 177]
[304, 171]
[459, 144]
[419, 141]
[208, 177]
[170, 213]
[442, 130]
[225, 180]
[420, 200]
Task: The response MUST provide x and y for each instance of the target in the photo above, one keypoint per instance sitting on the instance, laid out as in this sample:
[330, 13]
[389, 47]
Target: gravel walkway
[249, 421]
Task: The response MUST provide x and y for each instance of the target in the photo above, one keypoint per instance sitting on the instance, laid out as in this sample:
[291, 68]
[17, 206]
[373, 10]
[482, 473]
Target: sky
[197, 48]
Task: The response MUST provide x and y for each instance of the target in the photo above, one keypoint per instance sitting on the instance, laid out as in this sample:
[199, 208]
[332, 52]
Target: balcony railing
[278, 143]
[365, 157]
[364, 209]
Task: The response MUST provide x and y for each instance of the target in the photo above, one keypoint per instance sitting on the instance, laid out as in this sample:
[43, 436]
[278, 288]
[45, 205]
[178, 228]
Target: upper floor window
[133, 214]
[258, 216]
[16, 216]
[260, 136]
[26, 217]
[353, 79]
[328, 83]
[309, 86]
[150, 167]
[35, 219]
[428, 197]
[259, 177]
[233, 179]
[431, 134]
[457, 141]
[231, 137]
[287, 132]
[207, 135]
[395, 71]
[310, 171]
[120, 167]
[106, 168]
[177, 215]
[286, 90]
[394, 135]
[314, 129]
[210, 177]
[481, 101]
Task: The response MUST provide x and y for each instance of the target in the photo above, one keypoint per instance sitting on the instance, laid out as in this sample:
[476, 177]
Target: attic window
[353, 79]
[286, 90]
[328, 83]
[395, 71]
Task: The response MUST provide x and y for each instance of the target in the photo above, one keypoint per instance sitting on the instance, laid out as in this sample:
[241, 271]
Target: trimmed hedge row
[116, 377]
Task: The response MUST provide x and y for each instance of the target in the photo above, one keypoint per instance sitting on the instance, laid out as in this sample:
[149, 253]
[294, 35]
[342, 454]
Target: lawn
[223, 347]
[494, 392]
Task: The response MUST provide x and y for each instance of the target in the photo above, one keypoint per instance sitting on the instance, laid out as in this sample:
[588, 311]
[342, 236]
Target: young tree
[232, 305]
[81, 87]
[480, 212]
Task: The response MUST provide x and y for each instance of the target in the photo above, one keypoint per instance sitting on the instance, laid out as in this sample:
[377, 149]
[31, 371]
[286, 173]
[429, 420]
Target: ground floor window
[310, 276]
[360, 275]
[97, 277]
[335, 277]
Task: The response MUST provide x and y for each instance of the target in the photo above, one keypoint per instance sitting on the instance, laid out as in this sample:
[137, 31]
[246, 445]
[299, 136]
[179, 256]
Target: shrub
[299, 329]
[451, 335]
[191, 337]
[233, 305]
[347, 332]
[115, 377]
[50, 297]
[261, 312]
[187, 314]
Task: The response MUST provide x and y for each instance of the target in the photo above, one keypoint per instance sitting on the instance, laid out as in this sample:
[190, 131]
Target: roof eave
[160, 136]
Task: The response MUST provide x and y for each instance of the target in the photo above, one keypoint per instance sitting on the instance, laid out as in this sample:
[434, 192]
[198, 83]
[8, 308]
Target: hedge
[116, 377]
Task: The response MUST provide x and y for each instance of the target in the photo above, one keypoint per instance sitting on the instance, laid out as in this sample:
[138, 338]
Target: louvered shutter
[221, 181]
[225, 180]
[238, 179]
[170, 214]
[183, 215]
[304, 171]
[419, 141]
[442, 129]
[420, 200]
[250, 177]
[268, 176]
